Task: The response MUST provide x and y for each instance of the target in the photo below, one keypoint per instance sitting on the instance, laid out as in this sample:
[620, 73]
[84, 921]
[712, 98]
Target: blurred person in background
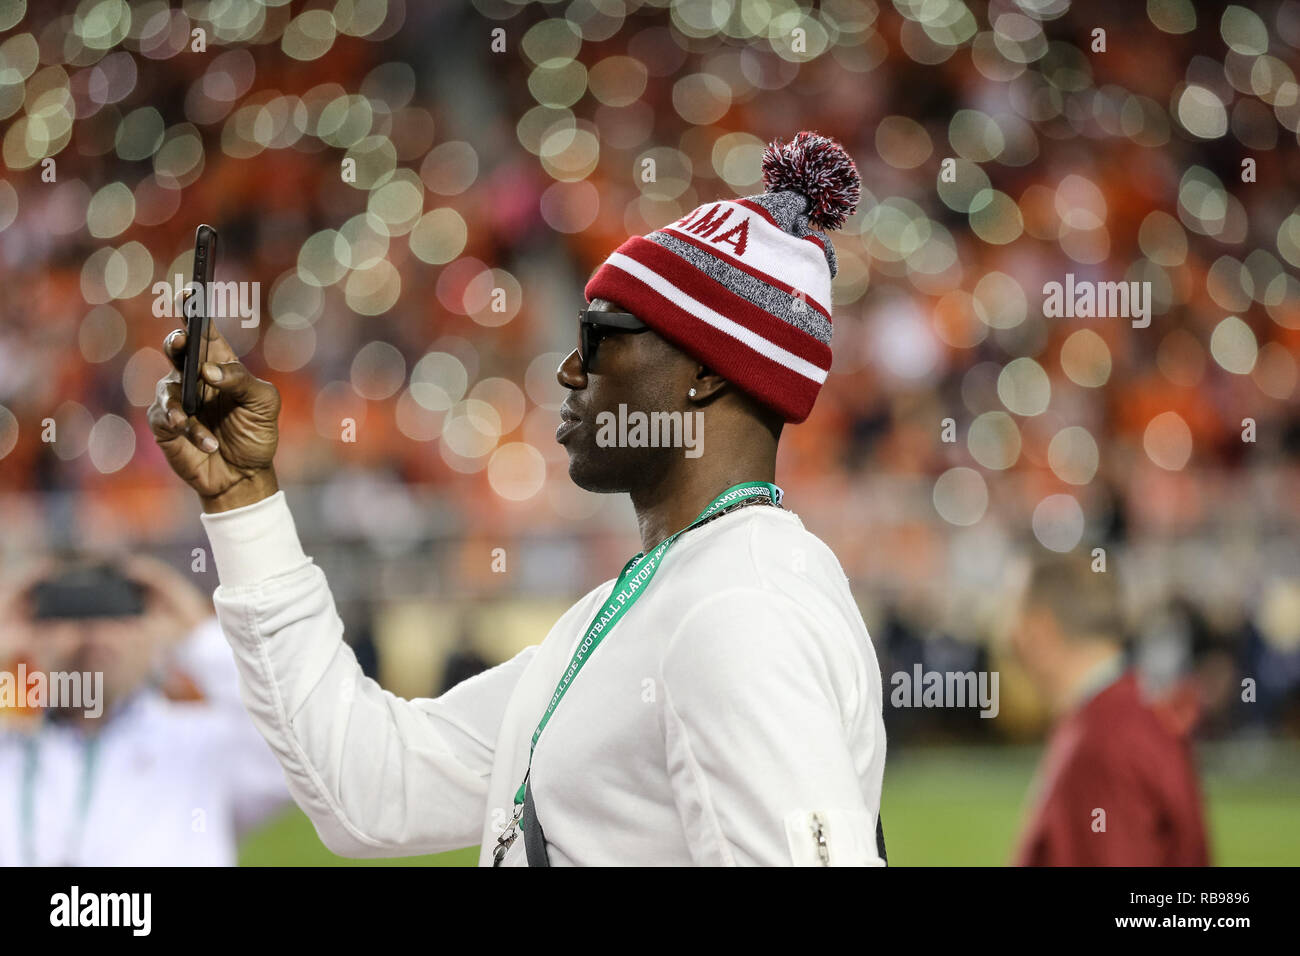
[464, 661]
[165, 769]
[1117, 785]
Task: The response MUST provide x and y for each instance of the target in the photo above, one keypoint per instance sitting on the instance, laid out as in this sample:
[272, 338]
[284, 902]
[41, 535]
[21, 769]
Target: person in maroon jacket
[1117, 786]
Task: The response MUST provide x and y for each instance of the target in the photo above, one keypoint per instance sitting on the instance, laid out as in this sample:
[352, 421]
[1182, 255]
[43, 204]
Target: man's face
[1035, 640]
[118, 647]
[640, 371]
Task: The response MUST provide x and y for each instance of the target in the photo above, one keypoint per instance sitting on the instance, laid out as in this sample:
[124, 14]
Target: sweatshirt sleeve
[757, 696]
[378, 775]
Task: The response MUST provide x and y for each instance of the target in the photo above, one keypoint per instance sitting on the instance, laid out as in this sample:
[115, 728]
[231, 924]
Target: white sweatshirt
[733, 712]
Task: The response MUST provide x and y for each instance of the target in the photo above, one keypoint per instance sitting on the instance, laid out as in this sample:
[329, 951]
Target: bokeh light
[421, 213]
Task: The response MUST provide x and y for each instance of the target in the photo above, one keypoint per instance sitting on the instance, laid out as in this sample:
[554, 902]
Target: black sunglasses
[594, 326]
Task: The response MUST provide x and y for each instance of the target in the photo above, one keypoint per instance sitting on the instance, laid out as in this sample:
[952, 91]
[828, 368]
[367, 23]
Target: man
[719, 703]
[1117, 785]
[124, 776]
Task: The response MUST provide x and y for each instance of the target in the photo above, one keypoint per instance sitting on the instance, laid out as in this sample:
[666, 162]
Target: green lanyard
[89, 755]
[631, 584]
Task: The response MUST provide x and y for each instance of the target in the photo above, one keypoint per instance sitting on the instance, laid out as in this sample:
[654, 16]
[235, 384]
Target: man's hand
[225, 452]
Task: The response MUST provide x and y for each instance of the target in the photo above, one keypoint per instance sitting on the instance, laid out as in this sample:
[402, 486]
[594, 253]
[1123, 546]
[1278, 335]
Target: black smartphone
[197, 298]
[77, 593]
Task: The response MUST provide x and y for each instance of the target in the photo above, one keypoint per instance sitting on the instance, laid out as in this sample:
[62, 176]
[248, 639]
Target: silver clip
[503, 845]
[507, 837]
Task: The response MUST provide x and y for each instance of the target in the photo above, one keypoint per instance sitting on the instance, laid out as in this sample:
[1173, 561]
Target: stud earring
[691, 393]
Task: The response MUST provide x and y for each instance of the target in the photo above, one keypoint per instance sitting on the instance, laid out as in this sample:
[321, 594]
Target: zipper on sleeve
[818, 826]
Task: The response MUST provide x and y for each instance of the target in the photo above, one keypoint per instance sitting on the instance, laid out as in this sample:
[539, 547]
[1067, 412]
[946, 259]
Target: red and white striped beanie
[744, 285]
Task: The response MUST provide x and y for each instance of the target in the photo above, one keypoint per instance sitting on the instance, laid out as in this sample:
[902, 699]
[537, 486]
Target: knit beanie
[744, 285]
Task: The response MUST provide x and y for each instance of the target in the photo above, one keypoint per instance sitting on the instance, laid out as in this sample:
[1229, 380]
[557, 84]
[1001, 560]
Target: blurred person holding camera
[1117, 785]
[122, 739]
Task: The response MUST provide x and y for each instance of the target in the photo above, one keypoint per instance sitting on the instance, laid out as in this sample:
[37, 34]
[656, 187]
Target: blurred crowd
[959, 429]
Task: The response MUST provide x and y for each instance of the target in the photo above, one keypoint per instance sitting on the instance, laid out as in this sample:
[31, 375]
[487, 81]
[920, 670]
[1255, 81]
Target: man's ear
[706, 384]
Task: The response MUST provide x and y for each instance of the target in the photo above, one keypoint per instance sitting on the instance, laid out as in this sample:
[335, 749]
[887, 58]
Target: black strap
[534, 838]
